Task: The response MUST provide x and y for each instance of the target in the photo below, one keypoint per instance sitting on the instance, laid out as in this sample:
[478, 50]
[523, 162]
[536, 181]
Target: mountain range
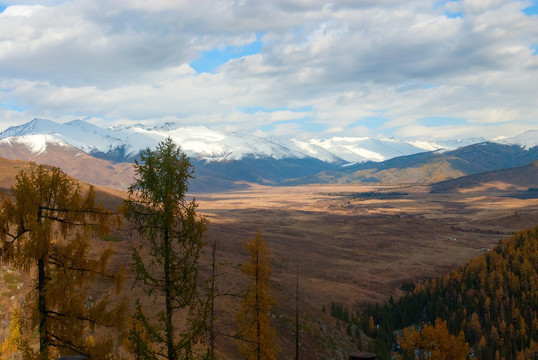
[434, 166]
[225, 160]
[124, 143]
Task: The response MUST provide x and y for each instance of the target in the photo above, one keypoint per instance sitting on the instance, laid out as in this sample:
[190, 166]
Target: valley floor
[355, 250]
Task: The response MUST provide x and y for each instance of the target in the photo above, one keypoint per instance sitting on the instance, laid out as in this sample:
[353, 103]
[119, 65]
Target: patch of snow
[213, 145]
[527, 140]
[37, 144]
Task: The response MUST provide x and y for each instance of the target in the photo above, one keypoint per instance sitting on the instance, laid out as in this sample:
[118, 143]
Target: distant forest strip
[368, 195]
[482, 231]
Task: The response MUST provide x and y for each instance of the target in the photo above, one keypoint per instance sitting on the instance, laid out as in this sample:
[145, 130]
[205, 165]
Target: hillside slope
[429, 167]
[522, 176]
[493, 299]
[96, 171]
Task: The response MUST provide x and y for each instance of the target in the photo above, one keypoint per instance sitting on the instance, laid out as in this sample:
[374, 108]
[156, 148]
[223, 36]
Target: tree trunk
[212, 315]
[258, 329]
[42, 307]
[168, 300]
[41, 301]
[297, 312]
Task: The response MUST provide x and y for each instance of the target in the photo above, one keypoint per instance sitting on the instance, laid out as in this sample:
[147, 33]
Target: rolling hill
[522, 176]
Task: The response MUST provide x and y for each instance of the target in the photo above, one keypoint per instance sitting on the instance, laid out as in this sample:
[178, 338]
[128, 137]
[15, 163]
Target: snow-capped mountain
[37, 143]
[228, 159]
[84, 136]
[527, 140]
[355, 149]
[202, 143]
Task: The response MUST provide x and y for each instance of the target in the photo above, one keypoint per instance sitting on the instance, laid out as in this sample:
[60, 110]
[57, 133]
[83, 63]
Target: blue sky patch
[211, 60]
[448, 14]
[531, 10]
[453, 15]
[13, 106]
[534, 47]
[2, 8]
[427, 86]
[435, 121]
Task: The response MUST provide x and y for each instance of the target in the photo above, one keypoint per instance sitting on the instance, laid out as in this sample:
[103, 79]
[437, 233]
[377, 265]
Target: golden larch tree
[45, 229]
[256, 336]
[433, 342]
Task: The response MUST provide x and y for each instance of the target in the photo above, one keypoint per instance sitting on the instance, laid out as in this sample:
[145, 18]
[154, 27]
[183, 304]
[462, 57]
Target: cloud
[125, 61]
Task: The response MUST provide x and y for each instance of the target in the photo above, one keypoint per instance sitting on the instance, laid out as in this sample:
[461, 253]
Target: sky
[425, 69]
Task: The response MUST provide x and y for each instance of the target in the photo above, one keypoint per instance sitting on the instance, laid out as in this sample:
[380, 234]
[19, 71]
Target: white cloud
[126, 61]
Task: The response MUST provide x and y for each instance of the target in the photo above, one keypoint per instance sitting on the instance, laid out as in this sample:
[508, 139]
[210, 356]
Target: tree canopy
[45, 227]
[257, 339]
[493, 299]
[166, 262]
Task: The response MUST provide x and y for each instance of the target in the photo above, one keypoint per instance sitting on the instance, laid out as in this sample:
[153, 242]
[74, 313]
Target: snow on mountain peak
[125, 142]
[36, 143]
[359, 149]
[527, 140]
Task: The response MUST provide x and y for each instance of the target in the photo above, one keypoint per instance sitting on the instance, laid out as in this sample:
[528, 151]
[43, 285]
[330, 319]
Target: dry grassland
[360, 251]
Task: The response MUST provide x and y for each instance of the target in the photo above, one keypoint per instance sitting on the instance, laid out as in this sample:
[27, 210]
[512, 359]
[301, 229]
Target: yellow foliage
[46, 226]
[257, 337]
[435, 341]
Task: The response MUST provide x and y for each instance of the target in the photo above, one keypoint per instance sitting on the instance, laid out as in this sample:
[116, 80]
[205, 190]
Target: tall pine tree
[45, 227]
[166, 264]
[256, 337]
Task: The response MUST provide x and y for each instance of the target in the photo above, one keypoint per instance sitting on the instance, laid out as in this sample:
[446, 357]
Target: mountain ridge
[429, 167]
[123, 143]
[230, 160]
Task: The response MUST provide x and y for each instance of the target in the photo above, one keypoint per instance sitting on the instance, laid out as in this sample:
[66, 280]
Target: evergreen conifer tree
[166, 263]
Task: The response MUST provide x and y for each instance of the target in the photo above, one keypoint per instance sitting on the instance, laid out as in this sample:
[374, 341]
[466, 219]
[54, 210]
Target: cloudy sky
[298, 68]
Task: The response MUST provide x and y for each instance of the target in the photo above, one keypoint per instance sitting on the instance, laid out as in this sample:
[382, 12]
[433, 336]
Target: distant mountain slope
[72, 161]
[100, 172]
[10, 168]
[522, 176]
[430, 167]
[526, 140]
[8, 171]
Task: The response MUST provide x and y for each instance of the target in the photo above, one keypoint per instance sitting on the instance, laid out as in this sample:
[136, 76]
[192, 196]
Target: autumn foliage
[493, 300]
[45, 230]
[257, 339]
[433, 342]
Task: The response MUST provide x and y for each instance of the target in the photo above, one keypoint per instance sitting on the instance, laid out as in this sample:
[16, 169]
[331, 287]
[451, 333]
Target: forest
[492, 301]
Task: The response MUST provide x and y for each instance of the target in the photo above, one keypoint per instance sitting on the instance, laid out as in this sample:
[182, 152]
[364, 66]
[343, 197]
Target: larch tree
[256, 336]
[45, 229]
[166, 262]
[433, 342]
